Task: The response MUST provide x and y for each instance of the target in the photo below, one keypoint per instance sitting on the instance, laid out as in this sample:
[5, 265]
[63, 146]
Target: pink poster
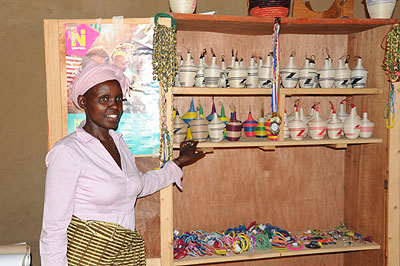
[79, 42]
[128, 46]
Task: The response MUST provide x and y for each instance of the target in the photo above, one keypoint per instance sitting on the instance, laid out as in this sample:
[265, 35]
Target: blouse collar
[85, 137]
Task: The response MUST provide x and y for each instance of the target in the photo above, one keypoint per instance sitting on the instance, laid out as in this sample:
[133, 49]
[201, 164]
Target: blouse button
[127, 179]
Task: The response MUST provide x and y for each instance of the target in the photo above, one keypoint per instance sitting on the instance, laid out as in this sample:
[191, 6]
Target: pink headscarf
[94, 73]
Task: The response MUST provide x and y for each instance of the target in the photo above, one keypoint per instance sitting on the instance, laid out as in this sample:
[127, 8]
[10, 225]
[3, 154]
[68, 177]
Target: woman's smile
[113, 117]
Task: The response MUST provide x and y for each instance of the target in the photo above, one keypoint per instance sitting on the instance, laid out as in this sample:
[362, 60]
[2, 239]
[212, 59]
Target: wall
[23, 119]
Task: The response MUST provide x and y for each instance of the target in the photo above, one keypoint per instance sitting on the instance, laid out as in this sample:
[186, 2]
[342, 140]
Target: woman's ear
[82, 101]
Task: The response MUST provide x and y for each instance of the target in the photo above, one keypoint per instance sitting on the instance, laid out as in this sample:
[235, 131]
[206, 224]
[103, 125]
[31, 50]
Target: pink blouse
[84, 180]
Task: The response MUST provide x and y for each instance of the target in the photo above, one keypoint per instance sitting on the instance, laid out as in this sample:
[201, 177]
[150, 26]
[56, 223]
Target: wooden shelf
[332, 91]
[219, 91]
[285, 91]
[247, 25]
[263, 143]
[260, 254]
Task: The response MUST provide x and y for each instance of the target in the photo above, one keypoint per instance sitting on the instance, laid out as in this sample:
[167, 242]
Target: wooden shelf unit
[294, 187]
[303, 187]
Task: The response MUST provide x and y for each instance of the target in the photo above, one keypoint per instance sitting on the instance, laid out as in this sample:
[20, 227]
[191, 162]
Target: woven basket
[273, 3]
[269, 12]
[269, 8]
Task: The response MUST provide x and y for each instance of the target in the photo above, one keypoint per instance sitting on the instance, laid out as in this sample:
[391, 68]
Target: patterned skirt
[101, 243]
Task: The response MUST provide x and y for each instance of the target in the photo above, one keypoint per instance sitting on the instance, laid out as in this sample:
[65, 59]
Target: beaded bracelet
[219, 247]
[245, 239]
[206, 249]
[238, 245]
[262, 241]
[295, 246]
[313, 245]
[180, 254]
[252, 241]
[279, 242]
[228, 240]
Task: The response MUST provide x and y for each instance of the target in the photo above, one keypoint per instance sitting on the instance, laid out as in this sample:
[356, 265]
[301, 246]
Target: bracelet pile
[261, 237]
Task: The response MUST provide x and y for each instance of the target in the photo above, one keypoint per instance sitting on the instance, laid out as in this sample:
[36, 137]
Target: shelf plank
[219, 91]
[247, 25]
[332, 91]
[248, 142]
[268, 148]
[260, 254]
[262, 91]
[338, 146]
[206, 149]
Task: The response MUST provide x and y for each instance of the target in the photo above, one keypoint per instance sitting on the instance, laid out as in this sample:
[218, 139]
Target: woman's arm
[61, 179]
[170, 173]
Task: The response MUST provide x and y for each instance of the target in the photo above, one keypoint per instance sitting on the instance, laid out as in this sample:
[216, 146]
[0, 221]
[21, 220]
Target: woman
[92, 181]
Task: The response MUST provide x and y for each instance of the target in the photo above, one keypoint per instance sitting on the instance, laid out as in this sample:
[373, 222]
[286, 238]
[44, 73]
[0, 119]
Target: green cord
[165, 15]
[262, 241]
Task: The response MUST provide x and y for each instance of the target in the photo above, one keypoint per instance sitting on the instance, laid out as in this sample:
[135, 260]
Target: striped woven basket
[269, 8]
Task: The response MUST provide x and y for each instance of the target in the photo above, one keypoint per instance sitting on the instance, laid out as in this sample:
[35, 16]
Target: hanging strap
[165, 15]
[276, 69]
[389, 108]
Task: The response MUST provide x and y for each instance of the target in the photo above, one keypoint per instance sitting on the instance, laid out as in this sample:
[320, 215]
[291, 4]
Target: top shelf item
[247, 25]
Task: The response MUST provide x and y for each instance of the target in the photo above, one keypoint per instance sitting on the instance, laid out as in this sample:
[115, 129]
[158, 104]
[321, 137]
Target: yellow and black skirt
[101, 243]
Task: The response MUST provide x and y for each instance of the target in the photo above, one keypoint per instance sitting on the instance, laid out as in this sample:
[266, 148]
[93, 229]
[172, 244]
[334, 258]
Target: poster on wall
[128, 46]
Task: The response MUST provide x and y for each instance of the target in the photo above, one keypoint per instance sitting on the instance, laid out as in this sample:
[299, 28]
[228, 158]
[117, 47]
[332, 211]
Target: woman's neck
[99, 133]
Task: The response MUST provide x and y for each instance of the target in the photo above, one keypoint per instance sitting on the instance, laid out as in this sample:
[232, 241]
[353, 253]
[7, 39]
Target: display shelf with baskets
[285, 92]
[226, 195]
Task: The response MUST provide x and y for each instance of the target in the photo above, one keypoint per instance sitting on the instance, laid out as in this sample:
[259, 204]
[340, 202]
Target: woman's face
[103, 105]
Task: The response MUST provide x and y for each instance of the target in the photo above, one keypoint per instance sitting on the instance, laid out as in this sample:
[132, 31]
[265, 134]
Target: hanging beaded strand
[165, 66]
[391, 62]
[276, 67]
[391, 66]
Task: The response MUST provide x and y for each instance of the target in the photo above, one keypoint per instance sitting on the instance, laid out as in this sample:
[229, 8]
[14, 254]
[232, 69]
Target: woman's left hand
[188, 153]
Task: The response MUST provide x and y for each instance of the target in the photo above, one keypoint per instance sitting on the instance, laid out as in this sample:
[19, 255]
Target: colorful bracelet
[313, 245]
[295, 246]
[262, 241]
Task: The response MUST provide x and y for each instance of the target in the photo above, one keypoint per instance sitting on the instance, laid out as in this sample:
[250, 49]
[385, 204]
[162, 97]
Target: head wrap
[94, 73]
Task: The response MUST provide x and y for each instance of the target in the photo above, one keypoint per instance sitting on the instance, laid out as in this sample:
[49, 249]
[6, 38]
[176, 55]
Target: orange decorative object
[338, 9]
[269, 8]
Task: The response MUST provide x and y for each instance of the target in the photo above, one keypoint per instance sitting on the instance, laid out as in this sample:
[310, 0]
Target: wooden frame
[57, 112]
[393, 230]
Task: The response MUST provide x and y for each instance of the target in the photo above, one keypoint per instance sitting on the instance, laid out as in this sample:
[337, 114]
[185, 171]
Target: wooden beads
[165, 63]
[165, 66]
[391, 63]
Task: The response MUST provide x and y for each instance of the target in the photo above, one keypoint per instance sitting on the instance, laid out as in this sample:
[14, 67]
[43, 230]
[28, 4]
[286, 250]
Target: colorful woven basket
[269, 8]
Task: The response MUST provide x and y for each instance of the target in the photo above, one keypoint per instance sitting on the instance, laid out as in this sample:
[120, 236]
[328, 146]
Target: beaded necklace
[391, 66]
[165, 66]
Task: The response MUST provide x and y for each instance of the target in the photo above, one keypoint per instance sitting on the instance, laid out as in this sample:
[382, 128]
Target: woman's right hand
[188, 153]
